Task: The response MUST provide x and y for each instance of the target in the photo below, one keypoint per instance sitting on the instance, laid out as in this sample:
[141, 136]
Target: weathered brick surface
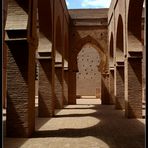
[58, 88]
[17, 18]
[72, 87]
[111, 87]
[119, 98]
[134, 104]
[132, 41]
[65, 87]
[20, 90]
[4, 76]
[88, 77]
[46, 107]
[105, 89]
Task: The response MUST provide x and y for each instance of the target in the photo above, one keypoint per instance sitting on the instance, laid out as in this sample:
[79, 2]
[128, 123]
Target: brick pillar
[105, 98]
[65, 85]
[20, 121]
[46, 107]
[72, 87]
[119, 98]
[134, 88]
[111, 86]
[58, 87]
[4, 75]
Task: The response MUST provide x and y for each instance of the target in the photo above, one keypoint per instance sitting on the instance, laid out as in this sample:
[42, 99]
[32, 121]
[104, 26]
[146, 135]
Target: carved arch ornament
[90, 40]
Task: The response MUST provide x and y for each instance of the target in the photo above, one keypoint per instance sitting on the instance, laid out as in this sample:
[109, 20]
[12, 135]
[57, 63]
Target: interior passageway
[85, 125]
[73, 78]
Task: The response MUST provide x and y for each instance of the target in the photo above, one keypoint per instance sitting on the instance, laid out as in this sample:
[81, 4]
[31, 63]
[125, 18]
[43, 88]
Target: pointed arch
[93, 42]
[85, 40]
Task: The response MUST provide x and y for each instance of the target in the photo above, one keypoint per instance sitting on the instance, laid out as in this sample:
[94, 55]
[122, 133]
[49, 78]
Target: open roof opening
[87, 4]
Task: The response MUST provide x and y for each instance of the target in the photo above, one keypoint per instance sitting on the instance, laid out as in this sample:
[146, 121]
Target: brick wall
[20, 90]
[58, 88]
[134, 104]
[88, 77]
[45, 88]
[105, 97]
[72, 87]
[17, 18]
[119, 98]
[65, 85]
[111, 87]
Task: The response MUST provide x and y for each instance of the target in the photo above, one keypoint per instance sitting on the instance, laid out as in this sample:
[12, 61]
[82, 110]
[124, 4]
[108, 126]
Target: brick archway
[88, 39]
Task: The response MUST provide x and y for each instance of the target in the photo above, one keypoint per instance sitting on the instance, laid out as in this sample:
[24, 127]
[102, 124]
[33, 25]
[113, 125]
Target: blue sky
[77, 4]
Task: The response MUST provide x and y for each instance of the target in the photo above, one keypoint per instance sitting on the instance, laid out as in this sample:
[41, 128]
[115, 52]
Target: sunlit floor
[85, 125]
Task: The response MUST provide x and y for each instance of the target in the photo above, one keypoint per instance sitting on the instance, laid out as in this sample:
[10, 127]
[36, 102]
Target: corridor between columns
[87, 124]
[44, 106]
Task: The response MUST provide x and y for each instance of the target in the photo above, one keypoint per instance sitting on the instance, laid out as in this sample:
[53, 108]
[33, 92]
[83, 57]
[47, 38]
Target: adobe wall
[89, 27]
[132, 50]
[88, 81]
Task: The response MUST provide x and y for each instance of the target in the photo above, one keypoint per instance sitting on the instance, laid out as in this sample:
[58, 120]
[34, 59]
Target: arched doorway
[73, 68]
[88, 76]
[111, 70]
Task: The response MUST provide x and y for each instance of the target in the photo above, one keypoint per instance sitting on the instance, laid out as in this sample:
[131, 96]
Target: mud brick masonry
[46, 33]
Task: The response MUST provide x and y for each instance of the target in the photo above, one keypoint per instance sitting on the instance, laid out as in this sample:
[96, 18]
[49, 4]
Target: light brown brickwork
[111, 87]
[105, 98]
[20, 90]
[72, 87]
[65, 85]
[58, 88]
[45, 88]
[63, 33]
[119, 98]
[134, 102]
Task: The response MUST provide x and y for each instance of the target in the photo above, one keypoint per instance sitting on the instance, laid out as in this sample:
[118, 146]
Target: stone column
[105, 98]
[134, 86]
[111, 86]
[65, 85]
[119, 98]
[46, 107]
[58, 85]
[20, 121]
[72, 87]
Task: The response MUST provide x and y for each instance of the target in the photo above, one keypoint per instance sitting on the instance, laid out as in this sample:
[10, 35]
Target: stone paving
[85, 125]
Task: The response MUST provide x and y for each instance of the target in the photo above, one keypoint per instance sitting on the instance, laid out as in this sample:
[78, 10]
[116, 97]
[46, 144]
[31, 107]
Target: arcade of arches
[57, 57]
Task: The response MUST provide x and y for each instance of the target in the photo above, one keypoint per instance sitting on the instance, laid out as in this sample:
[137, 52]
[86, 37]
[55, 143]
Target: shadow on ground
[113, 128]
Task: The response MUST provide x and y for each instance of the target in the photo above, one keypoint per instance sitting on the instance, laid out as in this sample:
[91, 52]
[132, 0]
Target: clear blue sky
[82, 4]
